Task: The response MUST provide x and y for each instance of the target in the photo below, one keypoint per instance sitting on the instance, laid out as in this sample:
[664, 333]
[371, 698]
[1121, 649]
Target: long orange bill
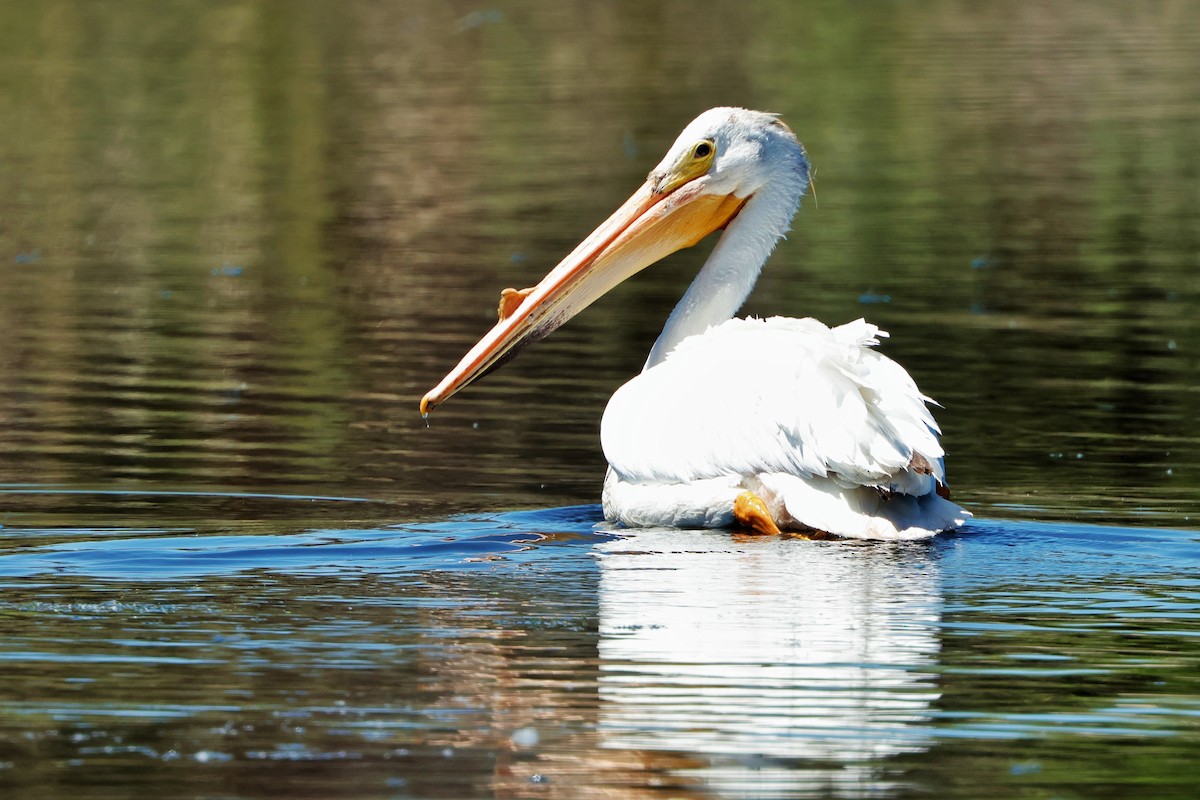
[645, 229]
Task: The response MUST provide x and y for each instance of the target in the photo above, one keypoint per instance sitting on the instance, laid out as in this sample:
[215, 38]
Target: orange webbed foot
[751, 513]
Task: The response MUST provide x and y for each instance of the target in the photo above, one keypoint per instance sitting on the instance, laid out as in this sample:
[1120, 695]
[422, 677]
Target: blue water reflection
[727, 664]
[167, 554]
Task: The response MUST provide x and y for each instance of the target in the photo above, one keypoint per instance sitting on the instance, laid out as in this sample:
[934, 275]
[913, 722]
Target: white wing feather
[780, 395]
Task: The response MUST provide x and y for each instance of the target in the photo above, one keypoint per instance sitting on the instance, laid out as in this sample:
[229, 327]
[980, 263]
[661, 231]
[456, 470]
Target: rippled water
[238, 241]
[532, 654]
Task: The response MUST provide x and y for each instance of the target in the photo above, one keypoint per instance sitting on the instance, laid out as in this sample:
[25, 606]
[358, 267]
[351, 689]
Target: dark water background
[239, 240]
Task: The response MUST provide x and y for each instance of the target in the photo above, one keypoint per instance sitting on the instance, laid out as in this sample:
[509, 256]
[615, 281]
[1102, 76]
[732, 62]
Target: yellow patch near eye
[694, 163]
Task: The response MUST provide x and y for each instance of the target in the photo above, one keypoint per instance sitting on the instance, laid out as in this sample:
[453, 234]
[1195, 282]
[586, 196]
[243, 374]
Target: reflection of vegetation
[173, 206]
[1120, 668]
[304, 685]
[239, 239]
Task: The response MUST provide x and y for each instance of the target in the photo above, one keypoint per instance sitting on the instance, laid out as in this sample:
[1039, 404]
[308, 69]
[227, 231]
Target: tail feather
[859, 512]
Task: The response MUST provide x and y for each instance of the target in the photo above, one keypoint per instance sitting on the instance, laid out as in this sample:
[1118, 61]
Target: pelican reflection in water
[784, 667]
[765, 424]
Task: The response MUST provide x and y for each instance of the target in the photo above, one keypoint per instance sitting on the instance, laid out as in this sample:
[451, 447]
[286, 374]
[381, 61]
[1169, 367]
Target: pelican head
[735, 151]
[725, 161]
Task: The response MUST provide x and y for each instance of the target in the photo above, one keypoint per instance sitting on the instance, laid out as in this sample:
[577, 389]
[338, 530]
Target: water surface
[238, 241]
[533, 654]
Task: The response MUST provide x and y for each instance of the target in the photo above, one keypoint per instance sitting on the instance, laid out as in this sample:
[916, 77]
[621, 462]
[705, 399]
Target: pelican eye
[686, 167]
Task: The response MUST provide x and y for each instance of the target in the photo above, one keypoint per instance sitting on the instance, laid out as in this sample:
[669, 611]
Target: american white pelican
[764, 424]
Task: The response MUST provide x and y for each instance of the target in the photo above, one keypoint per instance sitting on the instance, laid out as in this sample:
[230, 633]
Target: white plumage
[815, 420]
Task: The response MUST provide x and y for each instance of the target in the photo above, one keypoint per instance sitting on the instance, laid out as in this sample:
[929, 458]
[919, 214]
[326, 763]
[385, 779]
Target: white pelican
[763, 424]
